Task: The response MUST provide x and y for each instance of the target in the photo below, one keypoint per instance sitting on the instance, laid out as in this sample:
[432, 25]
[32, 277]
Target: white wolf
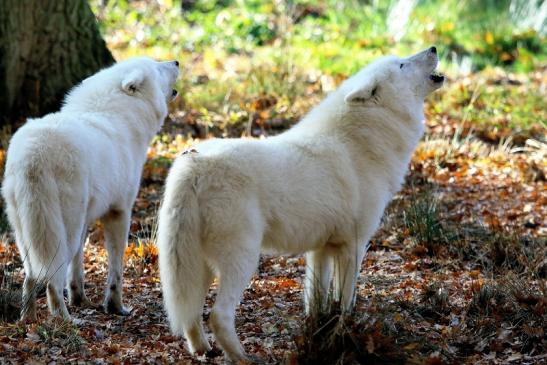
[319, 188]
[83, 163]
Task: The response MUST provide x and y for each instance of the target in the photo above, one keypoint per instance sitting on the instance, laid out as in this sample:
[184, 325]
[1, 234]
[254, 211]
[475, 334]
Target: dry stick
[249, 125]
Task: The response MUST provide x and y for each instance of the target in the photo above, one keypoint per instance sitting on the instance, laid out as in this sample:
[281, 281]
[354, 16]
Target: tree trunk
[46, 47]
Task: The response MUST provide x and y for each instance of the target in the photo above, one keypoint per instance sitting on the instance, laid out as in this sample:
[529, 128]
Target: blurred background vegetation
[255, 67]
[333, 36]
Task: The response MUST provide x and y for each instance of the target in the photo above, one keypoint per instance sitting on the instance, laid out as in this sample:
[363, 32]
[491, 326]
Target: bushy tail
[34, 211]
[183, 269]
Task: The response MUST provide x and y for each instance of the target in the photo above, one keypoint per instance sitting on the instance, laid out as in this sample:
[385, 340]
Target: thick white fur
[70, 168]
[319, 188]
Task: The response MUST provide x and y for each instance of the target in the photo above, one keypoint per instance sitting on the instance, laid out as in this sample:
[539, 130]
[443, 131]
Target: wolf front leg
[116, 229]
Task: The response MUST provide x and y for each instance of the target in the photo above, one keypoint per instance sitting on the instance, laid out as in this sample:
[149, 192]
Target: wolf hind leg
[28, 306]
[347, 264]
[195, 334]
[235, 269]
[76, 293]
[56, 279]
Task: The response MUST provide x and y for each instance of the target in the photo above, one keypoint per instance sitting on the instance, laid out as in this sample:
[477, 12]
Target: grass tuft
[422, 220]
[142, 253]
[435, 301]
[335, 338]
[500, 251]
[378, 333]
[489, 299]
[61, 333]
[510, 303]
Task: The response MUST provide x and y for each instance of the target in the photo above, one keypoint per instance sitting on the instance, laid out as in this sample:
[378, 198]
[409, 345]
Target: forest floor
[457, 272]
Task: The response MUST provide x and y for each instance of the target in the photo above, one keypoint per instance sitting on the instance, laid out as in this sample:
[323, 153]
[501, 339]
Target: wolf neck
[376, 138]
[380, 132]
[374, 127]
[140, 121]
[144, 127]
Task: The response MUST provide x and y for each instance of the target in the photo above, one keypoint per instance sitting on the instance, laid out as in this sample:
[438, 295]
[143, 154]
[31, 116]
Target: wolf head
[142, 73]
[398, 84]
[139, 84]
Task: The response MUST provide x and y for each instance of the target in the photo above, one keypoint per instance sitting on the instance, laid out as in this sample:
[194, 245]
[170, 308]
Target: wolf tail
[34, 211]
[185, 276]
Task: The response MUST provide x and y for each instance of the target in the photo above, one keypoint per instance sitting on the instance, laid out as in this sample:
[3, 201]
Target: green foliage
[495, 100]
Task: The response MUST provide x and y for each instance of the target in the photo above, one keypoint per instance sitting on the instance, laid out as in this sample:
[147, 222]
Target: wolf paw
[82, 301]
[112, 308]
[247, 360]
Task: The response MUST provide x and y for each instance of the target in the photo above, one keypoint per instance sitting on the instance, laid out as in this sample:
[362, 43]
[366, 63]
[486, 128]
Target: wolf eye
[401, 65]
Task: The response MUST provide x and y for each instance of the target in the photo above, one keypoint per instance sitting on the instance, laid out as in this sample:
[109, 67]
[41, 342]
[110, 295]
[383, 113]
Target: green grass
[495, 100]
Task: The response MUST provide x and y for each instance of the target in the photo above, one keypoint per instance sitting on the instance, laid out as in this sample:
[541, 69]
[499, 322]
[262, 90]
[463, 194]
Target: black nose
[433, 49]
[176, 63]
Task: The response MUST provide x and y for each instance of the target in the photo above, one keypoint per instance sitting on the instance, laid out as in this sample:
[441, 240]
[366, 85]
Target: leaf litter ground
[467, 286]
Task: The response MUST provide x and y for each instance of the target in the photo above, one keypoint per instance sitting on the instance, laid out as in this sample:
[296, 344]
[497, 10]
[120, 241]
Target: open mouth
[436, 77]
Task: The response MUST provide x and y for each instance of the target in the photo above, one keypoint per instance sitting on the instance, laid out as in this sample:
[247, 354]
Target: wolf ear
[133, 81]
[361, 94]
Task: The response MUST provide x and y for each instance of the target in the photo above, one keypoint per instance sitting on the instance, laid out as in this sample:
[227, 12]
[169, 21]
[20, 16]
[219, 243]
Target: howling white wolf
[319, 188]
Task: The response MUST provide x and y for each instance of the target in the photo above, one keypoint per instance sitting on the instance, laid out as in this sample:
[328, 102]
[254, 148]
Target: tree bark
[46, 47]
